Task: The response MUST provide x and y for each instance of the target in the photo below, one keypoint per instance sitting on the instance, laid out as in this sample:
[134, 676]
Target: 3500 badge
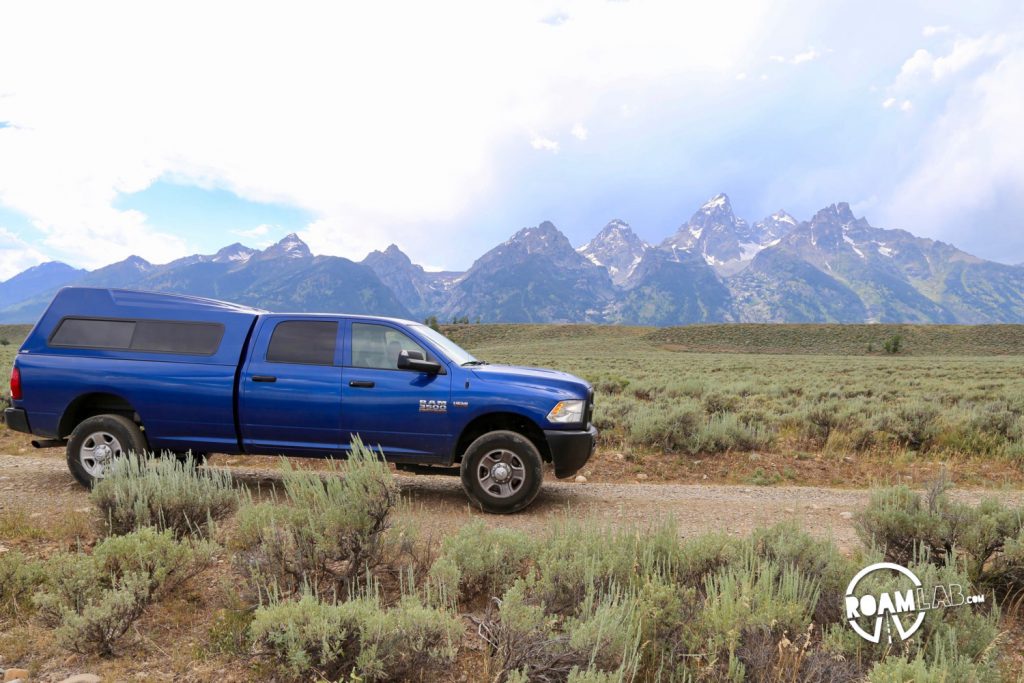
[431, 406]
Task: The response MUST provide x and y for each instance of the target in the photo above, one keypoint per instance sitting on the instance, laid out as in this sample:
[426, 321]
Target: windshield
[454, 352]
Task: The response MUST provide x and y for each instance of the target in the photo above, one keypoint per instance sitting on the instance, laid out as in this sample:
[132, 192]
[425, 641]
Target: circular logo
[885, 609]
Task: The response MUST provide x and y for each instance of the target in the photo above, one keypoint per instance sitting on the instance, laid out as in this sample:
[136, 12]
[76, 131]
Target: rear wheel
[502, 472]
[97, 442]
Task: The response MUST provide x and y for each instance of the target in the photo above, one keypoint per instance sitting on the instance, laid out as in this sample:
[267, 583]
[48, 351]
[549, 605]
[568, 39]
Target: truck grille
[588, 410]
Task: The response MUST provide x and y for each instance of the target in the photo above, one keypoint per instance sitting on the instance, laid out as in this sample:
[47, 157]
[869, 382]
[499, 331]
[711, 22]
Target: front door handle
[263, 378]
[361, 384]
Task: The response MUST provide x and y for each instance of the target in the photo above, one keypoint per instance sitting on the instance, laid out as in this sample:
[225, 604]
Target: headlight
[567, 412]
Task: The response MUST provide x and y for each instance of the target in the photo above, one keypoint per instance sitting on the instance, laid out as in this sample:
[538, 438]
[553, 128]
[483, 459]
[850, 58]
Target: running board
[427, 469]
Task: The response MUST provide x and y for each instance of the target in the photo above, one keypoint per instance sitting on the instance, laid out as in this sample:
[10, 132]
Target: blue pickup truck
[107, 371]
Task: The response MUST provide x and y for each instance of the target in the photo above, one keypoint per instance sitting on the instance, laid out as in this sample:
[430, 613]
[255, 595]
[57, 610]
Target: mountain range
[834, 267]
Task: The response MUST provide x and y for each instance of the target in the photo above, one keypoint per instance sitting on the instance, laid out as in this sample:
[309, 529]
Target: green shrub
[898, 522]
[477, 560]
[327, 532]
[525, 645]
[727, 432]
[19, 577]
[893, 344]
[165, 493]
[92, 600]
[357, 639]
[912, 425]
[984, 539]
[667, 428]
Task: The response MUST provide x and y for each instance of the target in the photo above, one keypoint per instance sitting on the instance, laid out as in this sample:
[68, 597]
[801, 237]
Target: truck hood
[538, 377]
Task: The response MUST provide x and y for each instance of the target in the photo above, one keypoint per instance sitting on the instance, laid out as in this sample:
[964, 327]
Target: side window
[309, 342]
[194, 339]
[378, 346]
[94, 334]
[151, 336]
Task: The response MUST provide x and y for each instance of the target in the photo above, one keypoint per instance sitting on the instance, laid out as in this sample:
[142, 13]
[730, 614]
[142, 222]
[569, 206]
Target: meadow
[820, 388]
[949, 390]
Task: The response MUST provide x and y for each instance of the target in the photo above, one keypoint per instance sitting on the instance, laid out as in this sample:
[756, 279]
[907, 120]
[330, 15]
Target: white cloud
[904, 106]
[972, 151]
[929, 31]
[360, 114]
[580, 132]
[808, 55]
[258, 232]
[965, 53]
[16, 255]
[545, 144]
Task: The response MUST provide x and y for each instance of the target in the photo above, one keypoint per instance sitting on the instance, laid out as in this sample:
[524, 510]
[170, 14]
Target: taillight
[16, 384]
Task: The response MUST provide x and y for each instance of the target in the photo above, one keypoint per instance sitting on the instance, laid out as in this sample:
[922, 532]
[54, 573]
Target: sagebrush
[165, 492]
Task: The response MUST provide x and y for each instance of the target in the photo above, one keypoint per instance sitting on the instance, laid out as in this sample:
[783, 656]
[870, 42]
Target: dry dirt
[37, 482]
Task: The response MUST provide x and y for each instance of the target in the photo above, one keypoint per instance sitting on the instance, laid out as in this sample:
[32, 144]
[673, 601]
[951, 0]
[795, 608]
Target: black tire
[507, 495]
[117, 433]
[198, 459]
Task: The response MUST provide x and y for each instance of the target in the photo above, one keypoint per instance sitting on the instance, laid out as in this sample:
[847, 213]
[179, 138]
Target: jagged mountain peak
[540, 238]
[834, 213]
[290, 246]
[391, 256]
[617, 248]
[715, 212]
[717, 204]
[233, 253]
[135, 262]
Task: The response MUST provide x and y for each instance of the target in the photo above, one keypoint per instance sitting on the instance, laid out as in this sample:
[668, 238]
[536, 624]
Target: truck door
[290, 388]
[404, 412]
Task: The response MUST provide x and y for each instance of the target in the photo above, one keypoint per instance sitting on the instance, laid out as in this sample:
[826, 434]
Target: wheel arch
[91, 404]
[501, 421]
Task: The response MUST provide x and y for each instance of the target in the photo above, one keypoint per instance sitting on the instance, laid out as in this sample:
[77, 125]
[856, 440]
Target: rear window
[309, 342]
[153, 336]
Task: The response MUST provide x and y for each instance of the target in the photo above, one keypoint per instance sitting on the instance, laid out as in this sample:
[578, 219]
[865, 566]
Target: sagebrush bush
[163, 492]
[524, 644]
[631, 605]
[19, 578]
[984, 540]
[358, 639]
[668, 428]
[92, 600]
[477, 560]
[328, 530]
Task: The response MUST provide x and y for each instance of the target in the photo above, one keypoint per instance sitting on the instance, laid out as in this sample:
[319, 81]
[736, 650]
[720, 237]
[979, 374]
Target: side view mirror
[414, 360]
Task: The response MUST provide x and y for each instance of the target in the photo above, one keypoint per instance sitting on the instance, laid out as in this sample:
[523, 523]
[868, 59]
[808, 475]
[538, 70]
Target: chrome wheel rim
[97, 452]
[501, 473]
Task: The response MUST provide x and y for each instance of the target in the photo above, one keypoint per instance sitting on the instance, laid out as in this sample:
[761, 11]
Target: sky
[164, 129]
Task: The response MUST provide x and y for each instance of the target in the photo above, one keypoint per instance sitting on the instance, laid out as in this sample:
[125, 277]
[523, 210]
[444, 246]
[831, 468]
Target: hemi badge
[461, 404]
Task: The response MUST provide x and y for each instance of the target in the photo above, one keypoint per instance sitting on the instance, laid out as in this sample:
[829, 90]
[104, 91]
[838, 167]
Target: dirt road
[37, 482]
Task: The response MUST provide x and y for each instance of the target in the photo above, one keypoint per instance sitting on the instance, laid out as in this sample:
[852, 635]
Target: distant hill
[826, 340]
[716, 267]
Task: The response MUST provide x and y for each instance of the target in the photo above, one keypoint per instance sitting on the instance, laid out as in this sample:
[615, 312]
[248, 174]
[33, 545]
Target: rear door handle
[263, 378]
[361, 384]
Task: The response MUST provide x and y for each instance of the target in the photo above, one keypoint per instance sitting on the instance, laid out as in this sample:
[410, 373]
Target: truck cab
[105, 372]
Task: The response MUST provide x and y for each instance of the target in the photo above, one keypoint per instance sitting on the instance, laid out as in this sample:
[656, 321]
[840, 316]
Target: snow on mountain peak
[719, 202]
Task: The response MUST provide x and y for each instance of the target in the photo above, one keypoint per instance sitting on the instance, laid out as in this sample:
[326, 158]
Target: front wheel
[502, 472]
[97, 442]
